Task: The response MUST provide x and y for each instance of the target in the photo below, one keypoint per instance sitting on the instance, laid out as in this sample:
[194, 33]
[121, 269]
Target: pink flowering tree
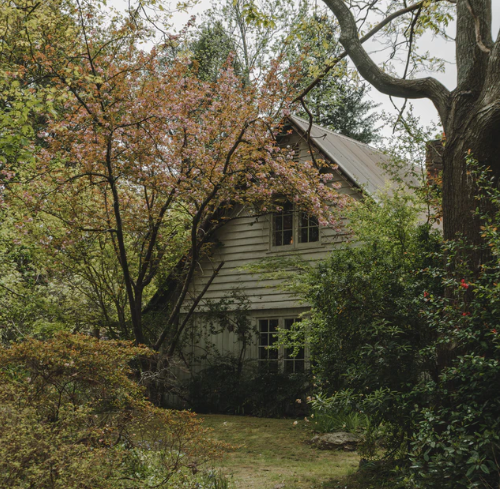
[143, 162]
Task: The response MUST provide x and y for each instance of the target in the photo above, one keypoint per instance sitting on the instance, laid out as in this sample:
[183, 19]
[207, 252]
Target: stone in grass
[339, 440]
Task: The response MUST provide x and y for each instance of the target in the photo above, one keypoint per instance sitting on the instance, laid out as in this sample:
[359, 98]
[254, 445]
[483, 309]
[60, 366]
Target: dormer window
[289, 227]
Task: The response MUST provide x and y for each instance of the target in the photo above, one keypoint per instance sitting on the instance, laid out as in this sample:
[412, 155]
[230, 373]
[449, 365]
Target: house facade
[247, 239]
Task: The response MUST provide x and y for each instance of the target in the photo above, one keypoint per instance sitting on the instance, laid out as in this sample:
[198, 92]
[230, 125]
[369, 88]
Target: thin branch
[365, 38]
[192, 309]
[308, 133]
[419, 88]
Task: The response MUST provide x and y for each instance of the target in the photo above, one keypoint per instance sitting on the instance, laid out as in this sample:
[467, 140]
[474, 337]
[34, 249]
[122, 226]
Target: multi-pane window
[294, 358]
[268, 330]
[291, 227]
[283, 226]
[308, 228]
[288, 360]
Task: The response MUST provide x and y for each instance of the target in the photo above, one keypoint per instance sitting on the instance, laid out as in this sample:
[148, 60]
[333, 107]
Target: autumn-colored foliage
[71, 416]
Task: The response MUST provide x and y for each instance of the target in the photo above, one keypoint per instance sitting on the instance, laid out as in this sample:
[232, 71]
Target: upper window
[283, 226]
[308, 229]
[291, 227]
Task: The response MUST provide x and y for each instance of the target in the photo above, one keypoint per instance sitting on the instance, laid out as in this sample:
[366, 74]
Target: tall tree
[470, 114]
[212, 49]
[339, 102]
[143, 153]
[300, 33]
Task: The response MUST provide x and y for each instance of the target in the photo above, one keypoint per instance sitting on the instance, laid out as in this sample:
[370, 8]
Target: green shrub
[406, 330]
[456, 443]
[367, 334]
[338, 420]
[72, 417]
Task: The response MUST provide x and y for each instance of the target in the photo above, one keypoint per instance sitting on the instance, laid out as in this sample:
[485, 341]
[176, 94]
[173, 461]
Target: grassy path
[272, 454]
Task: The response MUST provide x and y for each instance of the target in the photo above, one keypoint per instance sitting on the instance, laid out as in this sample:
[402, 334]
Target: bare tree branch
[365, 38]
[192, 309]
[385, 83]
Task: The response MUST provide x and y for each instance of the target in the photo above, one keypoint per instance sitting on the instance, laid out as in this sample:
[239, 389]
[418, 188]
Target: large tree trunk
[466, 134]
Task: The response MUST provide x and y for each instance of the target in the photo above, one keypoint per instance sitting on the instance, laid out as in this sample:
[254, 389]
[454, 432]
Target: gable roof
[358, 161]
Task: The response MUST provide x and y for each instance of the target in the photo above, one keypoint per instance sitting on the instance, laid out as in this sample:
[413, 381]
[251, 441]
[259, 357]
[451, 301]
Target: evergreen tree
[251, 37]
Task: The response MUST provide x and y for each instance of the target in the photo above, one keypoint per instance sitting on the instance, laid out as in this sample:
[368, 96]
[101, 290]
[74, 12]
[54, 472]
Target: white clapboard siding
[242, 241]
[227, 342]
[246, 239]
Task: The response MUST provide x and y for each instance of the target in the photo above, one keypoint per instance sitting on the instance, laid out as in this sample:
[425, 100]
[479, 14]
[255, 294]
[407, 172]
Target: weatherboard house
[357, 168]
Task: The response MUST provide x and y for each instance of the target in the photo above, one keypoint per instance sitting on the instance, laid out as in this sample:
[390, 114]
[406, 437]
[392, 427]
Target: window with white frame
[268, 336]
[277, 358]
[289, 227]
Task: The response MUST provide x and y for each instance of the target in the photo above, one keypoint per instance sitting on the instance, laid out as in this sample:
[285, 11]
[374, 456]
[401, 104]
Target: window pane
[273, 354]
[304, 220]
[287, 237]
[313, 234]
[263, 325]
[304, 238]
[262, 354]
[278, 239]
[289, 367]
[273, 324]
[278, 222]
[264, 339]
[299, 366]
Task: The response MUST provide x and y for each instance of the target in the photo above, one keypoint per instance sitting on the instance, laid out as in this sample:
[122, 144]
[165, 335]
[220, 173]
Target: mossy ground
[273, 453]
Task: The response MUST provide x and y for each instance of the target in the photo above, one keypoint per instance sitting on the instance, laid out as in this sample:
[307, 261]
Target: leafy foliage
[456, 442]
[368, 337]
[71, 416]
[339, 102]
[403, 331]
[252, 33]
[142, 162]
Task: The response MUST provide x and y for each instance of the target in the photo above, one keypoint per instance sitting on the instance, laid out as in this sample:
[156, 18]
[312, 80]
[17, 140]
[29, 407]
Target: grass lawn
[272, 454]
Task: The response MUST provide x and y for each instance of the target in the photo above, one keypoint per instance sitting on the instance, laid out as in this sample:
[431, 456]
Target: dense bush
[405, 330]
[368, 338]
[71, 416]
[221, 388]
[457, 438]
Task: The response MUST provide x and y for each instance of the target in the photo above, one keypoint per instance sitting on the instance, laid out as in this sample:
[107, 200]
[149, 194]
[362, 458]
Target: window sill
[291, 248]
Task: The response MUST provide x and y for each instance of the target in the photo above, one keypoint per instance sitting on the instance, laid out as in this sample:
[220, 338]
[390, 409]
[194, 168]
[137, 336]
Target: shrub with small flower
[457, 438]
[407, 332]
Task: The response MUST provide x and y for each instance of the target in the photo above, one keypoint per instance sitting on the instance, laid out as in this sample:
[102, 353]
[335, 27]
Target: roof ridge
[337, 134]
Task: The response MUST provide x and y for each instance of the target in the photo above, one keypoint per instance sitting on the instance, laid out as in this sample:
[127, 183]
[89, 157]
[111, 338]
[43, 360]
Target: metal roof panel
[358, 161]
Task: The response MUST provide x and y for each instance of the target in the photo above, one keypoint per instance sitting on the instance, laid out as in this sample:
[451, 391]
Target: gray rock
[340, 440]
